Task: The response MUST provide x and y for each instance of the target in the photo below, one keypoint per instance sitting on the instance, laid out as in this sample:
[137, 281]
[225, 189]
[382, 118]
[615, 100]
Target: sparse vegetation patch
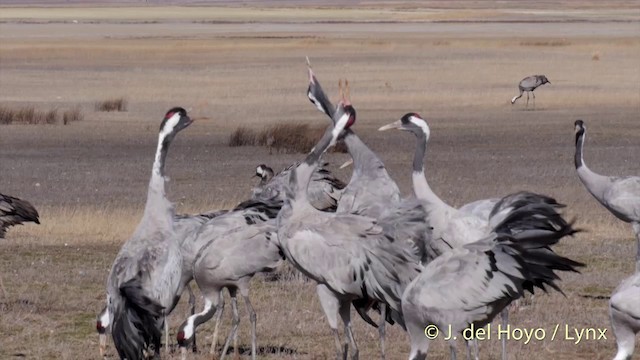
[282, 137]
[31, 116]
[116, 104]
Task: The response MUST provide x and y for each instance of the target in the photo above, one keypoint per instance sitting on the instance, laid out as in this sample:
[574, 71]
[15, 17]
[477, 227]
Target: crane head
[544, 80]
[175, 119]
[409, 122]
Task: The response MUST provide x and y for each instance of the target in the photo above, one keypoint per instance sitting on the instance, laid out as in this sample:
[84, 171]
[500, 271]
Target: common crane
[453, 228]
[223, 261]
[144, 283]
[529, 84]
[619, 195]
[355, 257]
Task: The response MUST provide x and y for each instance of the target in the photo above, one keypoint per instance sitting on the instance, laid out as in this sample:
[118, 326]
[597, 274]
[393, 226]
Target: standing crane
[14, 211]
[529, 84]
[353, 256]
[144, 282]
[370, 192]
[453, 228]
[621, 196]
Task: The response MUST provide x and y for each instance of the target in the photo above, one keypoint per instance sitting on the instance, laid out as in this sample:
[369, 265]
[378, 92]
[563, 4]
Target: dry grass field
[456, 63]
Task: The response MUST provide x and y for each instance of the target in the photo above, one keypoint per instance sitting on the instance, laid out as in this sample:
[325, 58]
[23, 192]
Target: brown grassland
[245, 66]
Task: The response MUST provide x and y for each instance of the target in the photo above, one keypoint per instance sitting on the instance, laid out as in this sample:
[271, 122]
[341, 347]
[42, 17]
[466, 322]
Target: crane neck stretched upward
[595, 183]
[361, 154]
[158, 209]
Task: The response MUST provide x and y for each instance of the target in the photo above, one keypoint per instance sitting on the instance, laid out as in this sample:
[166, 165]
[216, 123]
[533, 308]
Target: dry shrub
[27, 115]
[545, 43]
[118, 104]
[595, 56]
[72, 115]
[243, 136]
[282, 137]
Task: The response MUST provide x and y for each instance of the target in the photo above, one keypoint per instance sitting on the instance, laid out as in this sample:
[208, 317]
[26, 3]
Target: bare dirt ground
[458, 65]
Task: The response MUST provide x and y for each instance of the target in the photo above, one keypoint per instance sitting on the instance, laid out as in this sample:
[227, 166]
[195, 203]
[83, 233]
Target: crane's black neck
[578, 159]
[421, 148]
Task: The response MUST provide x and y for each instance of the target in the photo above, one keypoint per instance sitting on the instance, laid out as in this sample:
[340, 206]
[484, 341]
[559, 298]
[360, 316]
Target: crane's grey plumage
[325, 189]
[529, 84]
[224, 262]
[625, 315]
[621, 196]
[144, 283]
[14, 211]
[355, 257]
[472, 284]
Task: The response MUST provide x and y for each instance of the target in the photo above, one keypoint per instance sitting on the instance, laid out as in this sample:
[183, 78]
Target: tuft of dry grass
[282, 137]
[72, 115]
[115, 104]
[545, 43]
[27, 115]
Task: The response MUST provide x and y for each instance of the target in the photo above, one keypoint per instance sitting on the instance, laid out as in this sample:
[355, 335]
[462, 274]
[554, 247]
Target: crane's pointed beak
[393, 125]
[347, 163]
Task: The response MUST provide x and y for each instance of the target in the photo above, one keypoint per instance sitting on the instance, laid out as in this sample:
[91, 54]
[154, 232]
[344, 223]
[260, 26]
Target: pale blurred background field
[456, 63]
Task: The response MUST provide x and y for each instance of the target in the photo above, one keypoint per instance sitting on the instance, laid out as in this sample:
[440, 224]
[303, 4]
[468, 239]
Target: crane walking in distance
[529, 84]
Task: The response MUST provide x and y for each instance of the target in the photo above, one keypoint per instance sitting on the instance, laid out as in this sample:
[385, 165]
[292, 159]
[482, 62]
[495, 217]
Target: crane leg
[252, 317]
[534, 100]
[216, 329]
[381, 330]
[505, 324]
[234, 326]
[636, 229]
[192, 307]
[345, 314]
[452, 348]
[166, 336]
[330, 304]
[527, 105]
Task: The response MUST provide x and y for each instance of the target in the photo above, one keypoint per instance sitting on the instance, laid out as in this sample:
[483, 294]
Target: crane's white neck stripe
[104, 318]
[340, 124]
[170, 124]
[259, 170]
[315, 101]
[421, 124]
[190, 326]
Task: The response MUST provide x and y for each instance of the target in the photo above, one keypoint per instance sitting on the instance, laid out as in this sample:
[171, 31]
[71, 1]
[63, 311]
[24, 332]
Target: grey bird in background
[469, 286]
[621, 196]
[145, 279]
[529, 84]
[325, 189]
[14, 211]
[265, 174]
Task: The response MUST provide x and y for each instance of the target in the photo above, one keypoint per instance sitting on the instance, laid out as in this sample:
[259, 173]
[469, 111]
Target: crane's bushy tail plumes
[529, 224]
[405, 223]
[137, 323]
[14, 211]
